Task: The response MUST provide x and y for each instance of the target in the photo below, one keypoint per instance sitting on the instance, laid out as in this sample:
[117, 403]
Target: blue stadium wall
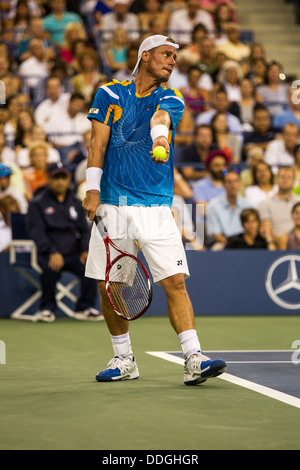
[221, 283]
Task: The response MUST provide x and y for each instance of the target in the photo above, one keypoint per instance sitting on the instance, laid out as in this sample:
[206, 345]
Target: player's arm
[99, 141]
[160, 126]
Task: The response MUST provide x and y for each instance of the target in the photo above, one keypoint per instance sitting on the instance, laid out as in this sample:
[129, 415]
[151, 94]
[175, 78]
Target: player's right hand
[91, 203]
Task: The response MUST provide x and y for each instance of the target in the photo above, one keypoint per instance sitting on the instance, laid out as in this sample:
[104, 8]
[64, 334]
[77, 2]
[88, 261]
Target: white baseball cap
[150, 43]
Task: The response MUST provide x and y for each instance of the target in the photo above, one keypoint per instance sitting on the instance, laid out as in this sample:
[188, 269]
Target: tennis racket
[127, 283]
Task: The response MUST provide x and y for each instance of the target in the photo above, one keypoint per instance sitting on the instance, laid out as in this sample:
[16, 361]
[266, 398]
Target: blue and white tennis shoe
[198, 368]
[119, 368]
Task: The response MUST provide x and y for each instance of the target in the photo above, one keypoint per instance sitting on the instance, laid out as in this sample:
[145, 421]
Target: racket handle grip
[100, 224]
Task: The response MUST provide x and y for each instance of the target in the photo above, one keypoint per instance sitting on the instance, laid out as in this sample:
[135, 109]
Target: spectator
[7, 154]
[73, 32]
[212, 5]
[25, 124]
[274, 93]
[194, 48]
[291, 240]
[179, 77]
[257, 72]
[16, 178]
[246, 104]
[208, 57]
[13, 106]
[101, 8]
[67, 126]
[263, 131]
[35, 31]
[131, 60]
[7, 74]
[296, 167]
[223, 18]
[36, 175]
[221, 104]
[185, 129]
[152, 9]
[292, 114]
[183, 21]
[275, 211]
[5, 230]
[35, 68]
[195, 97]
[224, 139]
[78, 48]
[116, 50]
[56, 22]
[254, 156]
[212, 185]
[196, 154]
[57, 223]
[280, 152]
[233, 48]
[21, 20]
[6, 188]
[263, 184]
[55, 100]
[223, 212]
[173, 5]
[120, 17]
[229, 78]
[10, 201]
[84, 82]
[156, 26]
[75, 157]
[250, 238]
[36, 135]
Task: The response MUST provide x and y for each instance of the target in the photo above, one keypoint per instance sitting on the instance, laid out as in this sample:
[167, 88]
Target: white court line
[269, 392]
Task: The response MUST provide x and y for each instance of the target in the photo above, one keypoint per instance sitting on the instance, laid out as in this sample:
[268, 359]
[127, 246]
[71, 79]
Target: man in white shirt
[120, 18]
[66, 128]
[221, 105]
[35, 68]
[55, 101]
[275, 212]
[183, 21]
[280, 152]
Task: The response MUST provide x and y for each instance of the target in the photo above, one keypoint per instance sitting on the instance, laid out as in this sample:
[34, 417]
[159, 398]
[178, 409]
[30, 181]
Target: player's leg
[198, 367]
[123, 365]
[167, 261]
[180, 308]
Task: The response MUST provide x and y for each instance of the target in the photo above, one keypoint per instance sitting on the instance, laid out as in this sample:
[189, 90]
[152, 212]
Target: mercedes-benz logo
[290, 281]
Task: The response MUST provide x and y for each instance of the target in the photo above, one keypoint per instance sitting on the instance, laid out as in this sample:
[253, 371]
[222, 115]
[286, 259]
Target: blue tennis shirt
[130, 177]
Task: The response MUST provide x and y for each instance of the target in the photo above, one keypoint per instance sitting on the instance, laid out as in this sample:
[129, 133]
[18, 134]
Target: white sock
[189, 342]
[122, 345]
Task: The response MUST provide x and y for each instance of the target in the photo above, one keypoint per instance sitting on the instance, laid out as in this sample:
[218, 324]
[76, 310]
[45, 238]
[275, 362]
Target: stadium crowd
[237, 150]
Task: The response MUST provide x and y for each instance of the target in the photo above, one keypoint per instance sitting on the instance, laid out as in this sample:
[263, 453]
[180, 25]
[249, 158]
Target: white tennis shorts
[155, 231]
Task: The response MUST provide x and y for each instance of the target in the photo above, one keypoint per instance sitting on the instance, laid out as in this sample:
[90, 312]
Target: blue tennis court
[272, 373]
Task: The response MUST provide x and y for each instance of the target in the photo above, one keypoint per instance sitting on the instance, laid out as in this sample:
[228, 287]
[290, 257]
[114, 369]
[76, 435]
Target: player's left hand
[161, 141]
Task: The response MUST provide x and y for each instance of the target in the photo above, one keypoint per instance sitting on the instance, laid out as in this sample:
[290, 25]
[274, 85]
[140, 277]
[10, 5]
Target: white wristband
[159, 131]
[93, 178]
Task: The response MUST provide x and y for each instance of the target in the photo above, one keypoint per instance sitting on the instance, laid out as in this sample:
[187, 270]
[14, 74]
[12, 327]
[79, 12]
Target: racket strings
[128, 287]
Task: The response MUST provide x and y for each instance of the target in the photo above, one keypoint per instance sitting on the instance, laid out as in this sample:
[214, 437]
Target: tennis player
[129, 119]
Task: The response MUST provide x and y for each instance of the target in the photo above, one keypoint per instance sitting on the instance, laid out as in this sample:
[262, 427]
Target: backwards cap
[150, 43]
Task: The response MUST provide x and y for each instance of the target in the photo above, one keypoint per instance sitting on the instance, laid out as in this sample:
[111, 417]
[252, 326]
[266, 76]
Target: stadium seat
[23, 257]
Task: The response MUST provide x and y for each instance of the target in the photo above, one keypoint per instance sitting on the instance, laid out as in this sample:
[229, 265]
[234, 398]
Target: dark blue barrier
[221, 283]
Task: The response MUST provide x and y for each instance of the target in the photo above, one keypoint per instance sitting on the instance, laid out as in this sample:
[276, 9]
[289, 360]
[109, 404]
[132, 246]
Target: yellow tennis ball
[160, 152]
